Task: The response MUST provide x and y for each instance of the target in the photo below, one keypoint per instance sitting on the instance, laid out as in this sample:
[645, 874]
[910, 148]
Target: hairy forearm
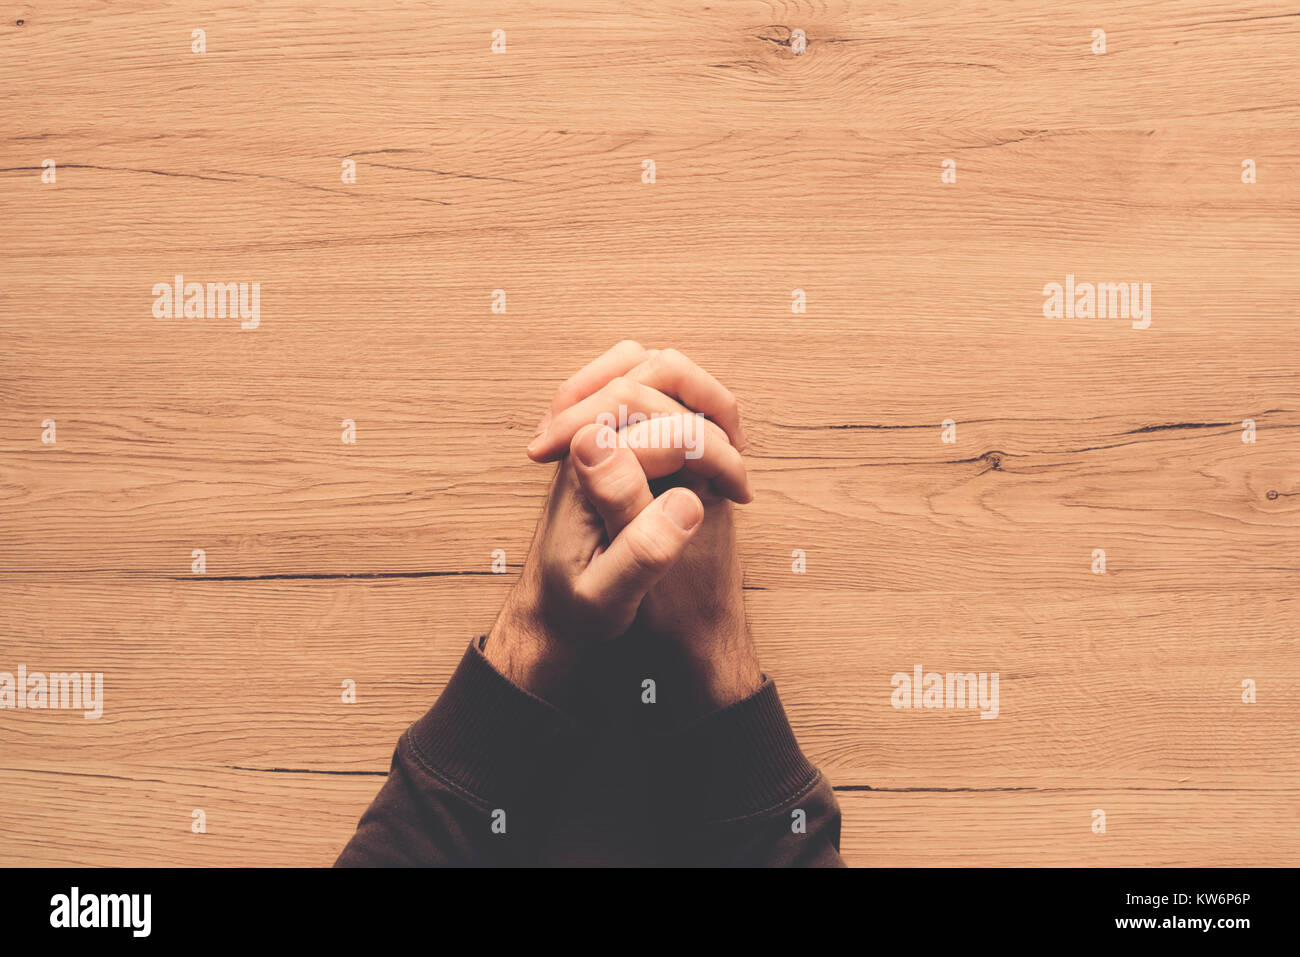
[526, 653]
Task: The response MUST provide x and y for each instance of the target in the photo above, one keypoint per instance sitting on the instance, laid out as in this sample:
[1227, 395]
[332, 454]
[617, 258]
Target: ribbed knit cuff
[740, 761]
[488, 736]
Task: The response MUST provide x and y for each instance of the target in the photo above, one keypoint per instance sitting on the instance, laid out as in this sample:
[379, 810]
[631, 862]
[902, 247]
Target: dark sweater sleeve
[476, 781]
[468, 781]
[735, 790]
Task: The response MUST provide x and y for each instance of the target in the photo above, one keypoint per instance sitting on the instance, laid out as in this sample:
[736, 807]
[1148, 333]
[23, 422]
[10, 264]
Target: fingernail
[541, 426]
[540, 438]
[591, 451]
[684, 509]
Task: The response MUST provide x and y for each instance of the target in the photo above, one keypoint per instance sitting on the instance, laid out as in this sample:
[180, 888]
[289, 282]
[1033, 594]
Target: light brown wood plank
[1090, 693]
[102, 816]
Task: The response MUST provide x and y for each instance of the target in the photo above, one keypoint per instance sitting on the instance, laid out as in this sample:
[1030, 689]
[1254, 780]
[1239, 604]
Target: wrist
[721, 682]
[719, 664]
[529, 656]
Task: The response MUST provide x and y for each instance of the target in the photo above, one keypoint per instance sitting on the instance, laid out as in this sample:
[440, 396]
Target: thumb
[641, 554]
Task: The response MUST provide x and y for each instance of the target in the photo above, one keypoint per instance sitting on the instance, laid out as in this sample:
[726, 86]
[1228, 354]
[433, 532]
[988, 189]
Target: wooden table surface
[774, 170]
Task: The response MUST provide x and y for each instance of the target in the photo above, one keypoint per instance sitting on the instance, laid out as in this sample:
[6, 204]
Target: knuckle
[646, 551]
[618, 487]
[625, 388]
[612, 391]
[584, 601]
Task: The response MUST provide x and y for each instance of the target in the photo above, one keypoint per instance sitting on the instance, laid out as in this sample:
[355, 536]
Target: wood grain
[774, 171]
